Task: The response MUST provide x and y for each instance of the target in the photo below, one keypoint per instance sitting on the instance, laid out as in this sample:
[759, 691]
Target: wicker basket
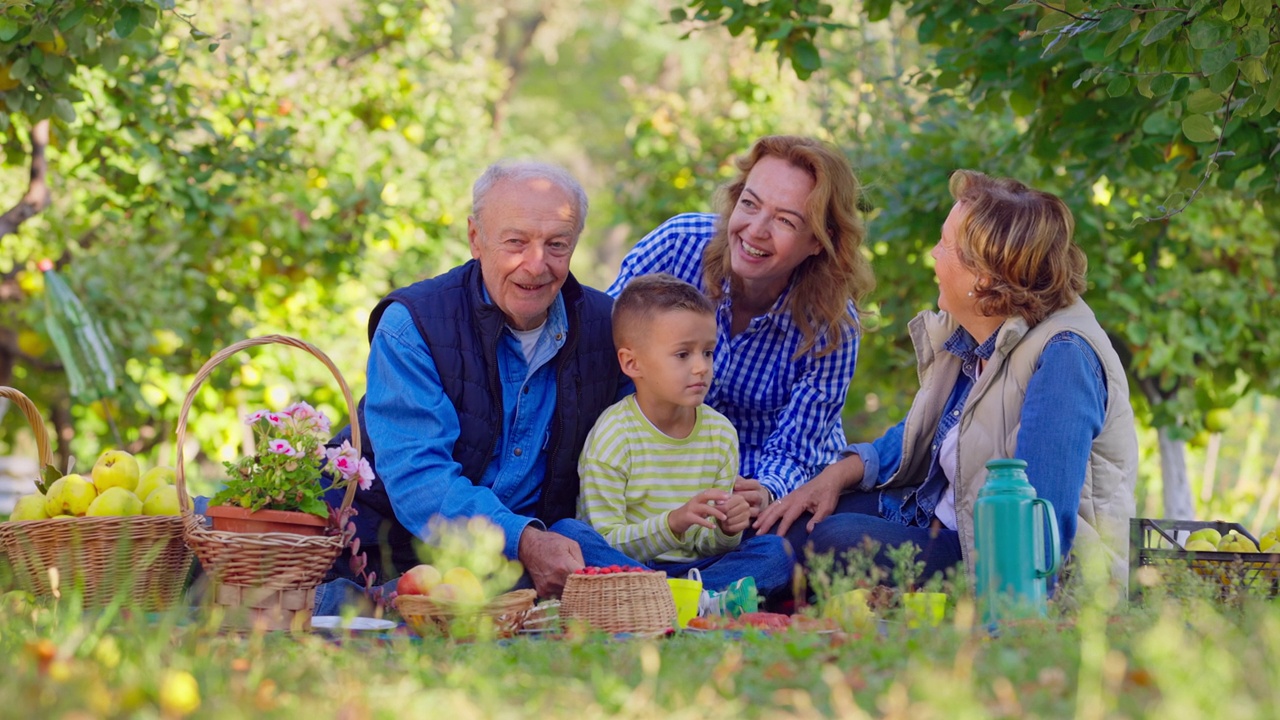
[631, 602]
[429, 618]
[139, 557]
[262, 580]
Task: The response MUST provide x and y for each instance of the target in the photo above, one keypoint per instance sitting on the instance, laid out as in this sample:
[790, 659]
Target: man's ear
[473, 236]
[628, 362]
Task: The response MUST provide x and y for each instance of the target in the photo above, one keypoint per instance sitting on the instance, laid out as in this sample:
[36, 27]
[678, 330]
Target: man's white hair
[522, 170]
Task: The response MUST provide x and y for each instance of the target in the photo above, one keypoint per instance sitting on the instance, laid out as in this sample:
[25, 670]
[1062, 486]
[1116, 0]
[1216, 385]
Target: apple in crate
[418, 581]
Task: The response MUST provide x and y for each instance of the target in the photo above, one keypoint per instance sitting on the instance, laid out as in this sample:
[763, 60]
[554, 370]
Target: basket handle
[34, 419]
[184, 500]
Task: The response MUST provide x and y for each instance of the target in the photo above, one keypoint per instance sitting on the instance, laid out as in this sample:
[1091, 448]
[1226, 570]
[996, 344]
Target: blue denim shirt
[416, 425]
[1063, 412]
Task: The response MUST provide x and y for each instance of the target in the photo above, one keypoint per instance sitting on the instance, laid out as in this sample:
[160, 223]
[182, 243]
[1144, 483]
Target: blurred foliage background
[219, 170]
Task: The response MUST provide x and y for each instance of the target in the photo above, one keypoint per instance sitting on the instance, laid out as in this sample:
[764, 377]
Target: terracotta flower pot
[237, 519]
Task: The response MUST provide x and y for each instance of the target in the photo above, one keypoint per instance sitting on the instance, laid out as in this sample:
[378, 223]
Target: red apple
[418, 581]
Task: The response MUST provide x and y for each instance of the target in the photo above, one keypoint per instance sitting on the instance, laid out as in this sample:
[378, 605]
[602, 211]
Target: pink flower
[282, 447]
[276, 419]
[300, 410]
[252, 418]
[307, 418]
[366, 474]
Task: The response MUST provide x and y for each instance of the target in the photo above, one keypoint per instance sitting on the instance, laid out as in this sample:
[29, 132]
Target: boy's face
[672, 356]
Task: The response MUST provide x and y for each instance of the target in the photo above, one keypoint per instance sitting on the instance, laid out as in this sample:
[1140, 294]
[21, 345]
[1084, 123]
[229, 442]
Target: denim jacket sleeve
[415, 426]
[880, 457]
[1063, 412]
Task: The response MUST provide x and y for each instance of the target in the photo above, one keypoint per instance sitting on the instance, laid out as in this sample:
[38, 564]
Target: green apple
[1208, 534]
[115, 468]
[156, 477]
[69, 495]
[114, 501]
[30, 507]
[162, 501]
[1200, 545]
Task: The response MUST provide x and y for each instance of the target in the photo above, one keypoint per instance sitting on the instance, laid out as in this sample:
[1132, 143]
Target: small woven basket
[263, 580]
[140, 557]
[429, 618]
[631, 602]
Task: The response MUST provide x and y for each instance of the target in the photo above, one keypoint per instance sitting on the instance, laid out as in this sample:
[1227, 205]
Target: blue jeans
[764, 557]
[857, 518]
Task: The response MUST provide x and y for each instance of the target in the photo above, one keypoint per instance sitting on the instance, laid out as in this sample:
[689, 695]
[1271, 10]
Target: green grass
[1170, 659]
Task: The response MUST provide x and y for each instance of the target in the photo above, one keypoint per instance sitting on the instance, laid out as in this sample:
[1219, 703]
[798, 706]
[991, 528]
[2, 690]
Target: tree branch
[37, 197]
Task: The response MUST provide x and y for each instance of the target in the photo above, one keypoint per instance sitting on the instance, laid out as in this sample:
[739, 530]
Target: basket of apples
[112, 531]
[619, 599]
[454, 604]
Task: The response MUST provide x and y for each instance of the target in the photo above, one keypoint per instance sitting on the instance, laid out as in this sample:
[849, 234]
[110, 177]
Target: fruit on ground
[162, 501]
[30, 507]
[115, 501]
[69, 495]
[116, 468]
[156, 477]
[1207, 534]
[466, 583]
[418, 581]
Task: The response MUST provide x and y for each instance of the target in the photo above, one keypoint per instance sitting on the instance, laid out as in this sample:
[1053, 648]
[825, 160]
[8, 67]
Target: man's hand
[737, 515]
[700, 510]
[549, 558]
[753, 492]
[818, 496]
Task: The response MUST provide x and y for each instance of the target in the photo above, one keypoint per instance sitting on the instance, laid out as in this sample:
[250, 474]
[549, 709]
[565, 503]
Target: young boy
[659, 466]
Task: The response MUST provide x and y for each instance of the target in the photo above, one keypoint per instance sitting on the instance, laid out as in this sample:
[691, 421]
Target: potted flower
[278, 488]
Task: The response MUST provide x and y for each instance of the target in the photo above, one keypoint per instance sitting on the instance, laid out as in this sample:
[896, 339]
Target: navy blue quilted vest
[462, 332]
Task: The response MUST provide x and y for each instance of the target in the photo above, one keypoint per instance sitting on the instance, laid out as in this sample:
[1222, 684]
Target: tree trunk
[1173, 472]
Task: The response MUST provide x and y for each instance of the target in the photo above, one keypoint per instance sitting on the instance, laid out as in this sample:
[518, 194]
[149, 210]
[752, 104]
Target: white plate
[355, 624]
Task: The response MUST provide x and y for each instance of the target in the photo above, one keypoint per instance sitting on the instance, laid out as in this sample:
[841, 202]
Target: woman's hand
[753, 492]
[818, 496]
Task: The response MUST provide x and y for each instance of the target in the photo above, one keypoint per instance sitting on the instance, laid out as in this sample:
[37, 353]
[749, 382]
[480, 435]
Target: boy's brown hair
[646, 296]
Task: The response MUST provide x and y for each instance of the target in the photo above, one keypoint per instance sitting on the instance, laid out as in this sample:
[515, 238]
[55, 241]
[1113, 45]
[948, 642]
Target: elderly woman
[1013, 365]
[782, 261]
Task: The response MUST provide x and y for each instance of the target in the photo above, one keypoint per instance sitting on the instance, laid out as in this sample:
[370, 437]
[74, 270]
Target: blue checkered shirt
[787, 412]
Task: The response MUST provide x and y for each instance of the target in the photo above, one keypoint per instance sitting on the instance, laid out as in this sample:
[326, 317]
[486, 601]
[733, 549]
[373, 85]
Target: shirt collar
[557, 317]
[962, 345]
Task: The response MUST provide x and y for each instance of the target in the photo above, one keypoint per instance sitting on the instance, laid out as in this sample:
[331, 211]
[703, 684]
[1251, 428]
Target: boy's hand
[737, 515]
[702, 509]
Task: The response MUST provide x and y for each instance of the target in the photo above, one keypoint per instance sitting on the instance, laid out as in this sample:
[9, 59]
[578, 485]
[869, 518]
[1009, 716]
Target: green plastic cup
[924, 609]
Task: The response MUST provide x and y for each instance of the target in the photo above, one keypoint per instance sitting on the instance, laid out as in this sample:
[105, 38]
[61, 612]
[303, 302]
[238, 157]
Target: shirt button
[935, 446]
[954, 413]
[517, 452]
[559, 335]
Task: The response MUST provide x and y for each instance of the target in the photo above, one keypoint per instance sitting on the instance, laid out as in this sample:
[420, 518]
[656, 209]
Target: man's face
[523, 240]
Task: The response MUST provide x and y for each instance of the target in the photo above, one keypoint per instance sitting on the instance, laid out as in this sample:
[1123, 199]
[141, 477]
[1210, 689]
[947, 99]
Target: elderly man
[483, 383]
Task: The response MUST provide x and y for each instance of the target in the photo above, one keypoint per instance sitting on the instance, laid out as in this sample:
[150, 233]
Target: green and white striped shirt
[634, 475]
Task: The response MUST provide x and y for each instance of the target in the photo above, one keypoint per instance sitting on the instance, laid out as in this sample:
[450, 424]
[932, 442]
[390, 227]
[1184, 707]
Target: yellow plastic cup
[924, 609]
[685, 593]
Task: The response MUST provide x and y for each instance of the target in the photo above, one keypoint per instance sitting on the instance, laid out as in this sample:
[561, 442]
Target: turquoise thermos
[1009, 540]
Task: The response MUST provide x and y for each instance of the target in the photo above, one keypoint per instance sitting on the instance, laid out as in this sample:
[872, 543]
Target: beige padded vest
[992, 414]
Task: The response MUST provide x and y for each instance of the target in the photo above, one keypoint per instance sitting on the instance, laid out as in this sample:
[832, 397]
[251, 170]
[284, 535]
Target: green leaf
[127, 22]
[72, 18]
[1211, 61]
[9, 28]
[1199, 128]
[1230, 9]
[1162, 29]
[1203, 100]
[1273, 94]
[1253, 71]
[1209, 32]
[679, 15]
[1222, 80]
[1258, 8]
[1118, 86]
[805, 56]
[63, 109]
[1113, 21]
[1162, 84]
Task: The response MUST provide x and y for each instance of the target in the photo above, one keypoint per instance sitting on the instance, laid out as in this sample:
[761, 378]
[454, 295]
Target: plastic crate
[1155, 542]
